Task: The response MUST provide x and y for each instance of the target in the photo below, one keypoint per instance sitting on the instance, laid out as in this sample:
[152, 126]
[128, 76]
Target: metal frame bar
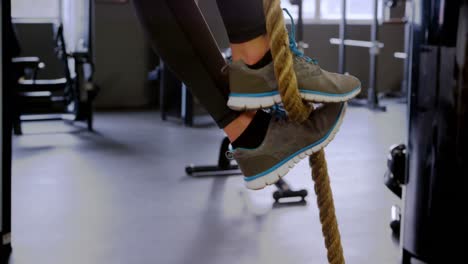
[38, 20]
[2, 161]
[342, 48]
[300, 21]
[92, 12]
[372, 99]
[318, 14]
[5, 134]
[357, 43]
[373, 45]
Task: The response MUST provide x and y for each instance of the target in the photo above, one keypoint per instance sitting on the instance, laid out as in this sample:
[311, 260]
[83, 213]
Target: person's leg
[180, 36]
[246, 32]
[264, 147]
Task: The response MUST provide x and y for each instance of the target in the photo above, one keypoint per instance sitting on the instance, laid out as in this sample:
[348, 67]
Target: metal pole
[342, 48]
[91, 31]
[406, 67]
[5, 131]
[371, 92]
[2, 30]
[300, 24]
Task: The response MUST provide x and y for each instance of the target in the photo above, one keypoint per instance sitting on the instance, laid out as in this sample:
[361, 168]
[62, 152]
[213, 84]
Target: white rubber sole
[242, 103]
[274, 176]
[318, 98]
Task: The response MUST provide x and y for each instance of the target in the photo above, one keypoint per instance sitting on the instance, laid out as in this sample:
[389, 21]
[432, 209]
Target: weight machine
[430, 172]
[374, 46]
[69, 98]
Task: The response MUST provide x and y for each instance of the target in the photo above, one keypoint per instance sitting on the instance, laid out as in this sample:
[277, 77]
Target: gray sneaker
[257, 88]
[286, 143]
[254, 89]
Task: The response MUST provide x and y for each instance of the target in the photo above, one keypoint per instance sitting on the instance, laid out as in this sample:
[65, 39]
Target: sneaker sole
[242, 102]
[260, 182]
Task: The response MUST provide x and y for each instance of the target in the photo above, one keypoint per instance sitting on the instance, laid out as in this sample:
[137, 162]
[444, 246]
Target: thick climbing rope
[299, 111]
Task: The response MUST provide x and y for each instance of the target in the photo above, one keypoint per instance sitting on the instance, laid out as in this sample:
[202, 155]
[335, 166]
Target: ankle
[254, 134]
[238, 126]
[252, 51]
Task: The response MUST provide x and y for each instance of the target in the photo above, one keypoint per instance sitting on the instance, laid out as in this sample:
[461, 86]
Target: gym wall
[121, 56]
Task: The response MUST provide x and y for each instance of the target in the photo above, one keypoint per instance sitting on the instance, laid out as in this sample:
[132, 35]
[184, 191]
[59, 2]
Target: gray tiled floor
[121, 196]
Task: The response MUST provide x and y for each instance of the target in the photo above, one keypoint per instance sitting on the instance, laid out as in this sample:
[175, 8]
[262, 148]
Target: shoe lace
[292, 42]
[279, 113]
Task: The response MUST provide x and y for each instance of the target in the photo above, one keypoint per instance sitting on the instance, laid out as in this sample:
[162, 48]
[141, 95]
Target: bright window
[35, 9]
[331, 9]
[360, 9]
[355, 9]
[308, 8]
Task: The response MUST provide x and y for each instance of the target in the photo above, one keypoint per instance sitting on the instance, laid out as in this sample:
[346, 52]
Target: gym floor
[121, 195]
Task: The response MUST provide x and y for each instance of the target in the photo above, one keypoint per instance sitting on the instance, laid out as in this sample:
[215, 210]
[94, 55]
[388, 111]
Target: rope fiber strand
[299, 111]
[283, 62]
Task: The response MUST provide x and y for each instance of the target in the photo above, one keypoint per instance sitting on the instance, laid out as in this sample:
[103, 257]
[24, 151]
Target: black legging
[243, 19]
[181, 37]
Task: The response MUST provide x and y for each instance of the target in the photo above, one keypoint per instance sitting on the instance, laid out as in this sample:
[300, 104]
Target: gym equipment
[394, 179]
[174, 97]
[433, 166]
[395, 176]
[226, 168]
[69, 98]
[402, 95]
[5, 138]
[374, 47]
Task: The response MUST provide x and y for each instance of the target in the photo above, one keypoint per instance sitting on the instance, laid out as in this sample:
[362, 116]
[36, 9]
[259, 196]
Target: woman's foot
[257, 88]
[253, 83]
[286, 143]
